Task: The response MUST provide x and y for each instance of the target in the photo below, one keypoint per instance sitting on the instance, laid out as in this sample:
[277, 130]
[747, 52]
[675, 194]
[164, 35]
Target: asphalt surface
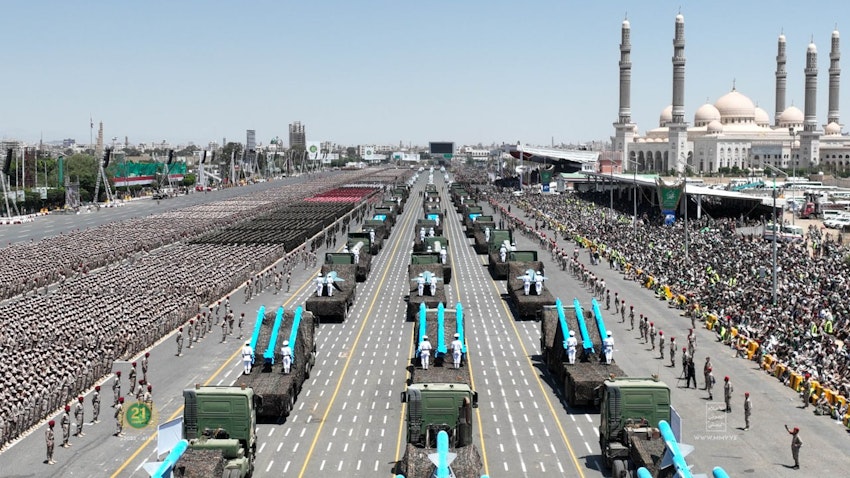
[348, 418]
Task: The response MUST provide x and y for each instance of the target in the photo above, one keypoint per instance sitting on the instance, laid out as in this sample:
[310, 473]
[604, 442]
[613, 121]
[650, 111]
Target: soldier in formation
[286, 353]
[79, 414]
[119, 418]
[95, 405]
[50, 439]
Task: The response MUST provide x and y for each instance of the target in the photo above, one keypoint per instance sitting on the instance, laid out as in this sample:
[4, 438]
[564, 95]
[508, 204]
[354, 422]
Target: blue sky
[362, 71]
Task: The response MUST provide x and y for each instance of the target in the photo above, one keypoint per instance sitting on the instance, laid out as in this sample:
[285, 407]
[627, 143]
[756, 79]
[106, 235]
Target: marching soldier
[692, 373]
[140, 392]
[673, 352]
[631, 316]
[727, 393]
[79, 414]
[652, 334]
[706, 369]
[66, 426]
[194, 336]
[224, 330]
[230, 319]
[145, 366]
[132, 376]
[661, 343]
[748, 409]
[241, 323]
[116, 388]
[119, 418]
[95, 404]
[709, 383]
[179, 342]
[50, 438]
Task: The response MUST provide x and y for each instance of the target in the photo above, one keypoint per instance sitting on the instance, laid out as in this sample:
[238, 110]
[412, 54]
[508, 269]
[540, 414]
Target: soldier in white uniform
[421, 233]
[286, 352]
[372, 236]
[526, 284]
[503, 252]
[329, 280]
[443, 255]
[356, 255]
[420, 285]
[320, 284]
[457, 350]
[424, 352]
[247, 358]
[430, 232]
[487, 233]
[433, 285]
[572, 343]
[608, 348]
[538, 282]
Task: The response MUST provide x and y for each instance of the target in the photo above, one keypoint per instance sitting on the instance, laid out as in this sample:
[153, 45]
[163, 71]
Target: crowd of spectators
[79, 301]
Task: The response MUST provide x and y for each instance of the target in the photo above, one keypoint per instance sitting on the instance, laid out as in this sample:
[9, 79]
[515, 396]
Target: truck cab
[434, 407]
[629, 406]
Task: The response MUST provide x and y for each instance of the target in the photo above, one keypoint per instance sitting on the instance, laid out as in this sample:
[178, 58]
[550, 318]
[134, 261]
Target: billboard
[314, 149]
[439, 148]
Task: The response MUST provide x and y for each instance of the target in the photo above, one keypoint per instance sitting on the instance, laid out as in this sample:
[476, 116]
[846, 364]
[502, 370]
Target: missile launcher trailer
[527, 306]
[470, 214]
[581, 380]
[439, 399]
[479, 232]
[358, 256]
[337, 306]
[426, 265]
[364, 236]
[497, 267]
[275, 390]
[389, 215]
[219, 423]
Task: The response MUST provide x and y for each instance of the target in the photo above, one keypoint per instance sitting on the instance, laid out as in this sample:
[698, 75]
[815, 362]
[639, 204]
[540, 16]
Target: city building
[297, 135]
[733, 132]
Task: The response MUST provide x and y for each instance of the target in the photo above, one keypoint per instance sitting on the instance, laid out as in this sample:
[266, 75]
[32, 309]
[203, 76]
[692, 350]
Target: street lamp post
[774, 171]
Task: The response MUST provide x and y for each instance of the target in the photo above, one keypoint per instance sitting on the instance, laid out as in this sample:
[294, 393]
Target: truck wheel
[230, 473]
[619, 469]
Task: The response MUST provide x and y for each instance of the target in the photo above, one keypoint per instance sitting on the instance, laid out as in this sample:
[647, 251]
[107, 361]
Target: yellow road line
[353, 347]
[180, 409]
[539, 382]
[403, 405]
[472, 379]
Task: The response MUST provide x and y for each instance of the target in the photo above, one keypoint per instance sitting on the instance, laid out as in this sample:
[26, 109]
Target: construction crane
[101, 176]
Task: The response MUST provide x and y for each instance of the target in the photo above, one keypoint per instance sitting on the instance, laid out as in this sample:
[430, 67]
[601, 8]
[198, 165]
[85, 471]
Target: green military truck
[482, 230]
[628, 430]
[503, 239]
[423, 266]
[219, 423]
[439, 399]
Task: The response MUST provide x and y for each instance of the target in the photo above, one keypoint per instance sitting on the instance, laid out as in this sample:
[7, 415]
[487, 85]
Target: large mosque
[733, 132]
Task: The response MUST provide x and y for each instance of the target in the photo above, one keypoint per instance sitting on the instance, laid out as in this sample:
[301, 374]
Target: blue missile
[442, 460]
[165, 466]
[676, 452]
[718, 472]
[643, 473]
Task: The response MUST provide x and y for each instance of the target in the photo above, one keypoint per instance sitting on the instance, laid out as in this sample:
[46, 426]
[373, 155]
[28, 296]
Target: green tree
[82, 168]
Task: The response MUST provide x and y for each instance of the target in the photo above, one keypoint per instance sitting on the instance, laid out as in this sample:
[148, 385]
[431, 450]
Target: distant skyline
[381, 71]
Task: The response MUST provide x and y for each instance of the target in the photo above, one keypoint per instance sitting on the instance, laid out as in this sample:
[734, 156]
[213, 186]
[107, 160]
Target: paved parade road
[348, 418]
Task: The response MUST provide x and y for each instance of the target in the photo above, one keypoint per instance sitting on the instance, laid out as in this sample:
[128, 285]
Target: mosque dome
[666, 116]
[812, 48]
[790, 117]
[833, 129]
[762, 118]
[714, 127]
[735, 106]
[706, 114]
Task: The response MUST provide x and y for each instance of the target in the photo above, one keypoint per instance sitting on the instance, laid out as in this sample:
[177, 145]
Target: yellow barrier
[649, 282]
[752, 347]
[682, 299]
[830, 396]
[734, 332]
[795, 380]
[816, 388]
[767, 362]
[667, 292]
[778, 370]
[710, 321]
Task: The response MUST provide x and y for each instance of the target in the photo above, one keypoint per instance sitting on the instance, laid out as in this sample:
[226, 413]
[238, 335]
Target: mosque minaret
[733, 133]
[625, 130]
[834, 80]
[678, 137]
[781, 76]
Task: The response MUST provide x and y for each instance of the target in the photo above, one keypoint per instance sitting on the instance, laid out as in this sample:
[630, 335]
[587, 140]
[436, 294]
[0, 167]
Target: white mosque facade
[734, 133]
